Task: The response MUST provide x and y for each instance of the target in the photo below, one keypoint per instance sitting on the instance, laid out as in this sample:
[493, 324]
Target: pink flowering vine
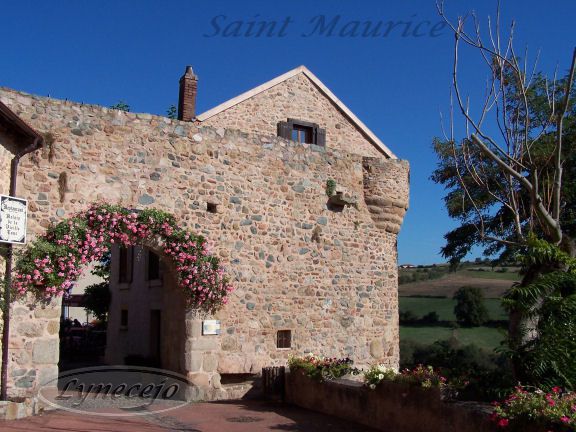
[54, 262]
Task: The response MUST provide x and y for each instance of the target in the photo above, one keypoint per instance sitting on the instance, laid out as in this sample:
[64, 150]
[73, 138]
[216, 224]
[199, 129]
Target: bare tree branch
[530, 199]
[553, 228]
[559, 130]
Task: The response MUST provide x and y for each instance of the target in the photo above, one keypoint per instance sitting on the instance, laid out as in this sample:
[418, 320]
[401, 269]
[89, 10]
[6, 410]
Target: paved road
[236, 416]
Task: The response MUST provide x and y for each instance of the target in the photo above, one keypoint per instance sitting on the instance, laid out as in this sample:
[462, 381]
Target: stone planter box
[390, 407]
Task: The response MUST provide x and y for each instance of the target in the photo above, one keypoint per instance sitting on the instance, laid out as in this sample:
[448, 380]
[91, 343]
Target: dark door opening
[155, 335]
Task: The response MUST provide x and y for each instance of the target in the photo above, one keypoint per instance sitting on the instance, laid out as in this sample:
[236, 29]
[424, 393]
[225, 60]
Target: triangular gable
[331, 96]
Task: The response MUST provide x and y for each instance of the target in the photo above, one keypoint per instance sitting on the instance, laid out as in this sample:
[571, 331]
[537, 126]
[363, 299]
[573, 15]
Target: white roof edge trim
[279, 79]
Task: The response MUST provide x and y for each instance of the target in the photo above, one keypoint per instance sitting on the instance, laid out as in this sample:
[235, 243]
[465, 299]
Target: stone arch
[143, 298]
[54, 260]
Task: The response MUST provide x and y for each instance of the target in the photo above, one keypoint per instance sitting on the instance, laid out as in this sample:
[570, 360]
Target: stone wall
[8, 149]
[34, 345]
[298, 98]
[385, 192]
[139, 297]
[397, 407]
[7, 152]
[329, 276]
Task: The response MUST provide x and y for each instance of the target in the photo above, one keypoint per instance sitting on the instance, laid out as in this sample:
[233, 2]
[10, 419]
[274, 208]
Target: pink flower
[503, 422]
[204, 282]
[565, 419]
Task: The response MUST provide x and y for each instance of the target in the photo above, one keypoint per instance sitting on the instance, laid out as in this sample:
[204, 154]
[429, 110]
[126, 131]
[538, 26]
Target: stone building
[146, 317]
[312, 273]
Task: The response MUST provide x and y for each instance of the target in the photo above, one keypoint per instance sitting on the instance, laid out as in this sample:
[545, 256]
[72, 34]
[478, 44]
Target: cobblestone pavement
[235, 416]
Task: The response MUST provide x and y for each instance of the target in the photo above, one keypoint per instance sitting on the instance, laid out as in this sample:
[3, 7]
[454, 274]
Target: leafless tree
[502, 135]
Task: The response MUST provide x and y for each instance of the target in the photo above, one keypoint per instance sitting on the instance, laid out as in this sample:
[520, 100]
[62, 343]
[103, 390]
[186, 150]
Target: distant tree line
[469, 310]
[421, 274]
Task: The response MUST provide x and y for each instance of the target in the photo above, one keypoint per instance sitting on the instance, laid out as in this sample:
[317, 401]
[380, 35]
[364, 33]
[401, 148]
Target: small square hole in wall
[211, 207]
[284, 339]
[336, 208]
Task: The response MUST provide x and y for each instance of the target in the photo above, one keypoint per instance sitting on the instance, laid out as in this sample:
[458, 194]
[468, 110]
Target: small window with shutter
[302, 132]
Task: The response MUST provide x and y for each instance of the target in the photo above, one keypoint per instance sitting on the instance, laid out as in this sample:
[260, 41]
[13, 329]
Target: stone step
[251, 389]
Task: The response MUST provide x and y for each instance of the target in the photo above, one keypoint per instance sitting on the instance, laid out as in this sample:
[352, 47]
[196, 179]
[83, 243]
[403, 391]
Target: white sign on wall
[210, 327]
[13, 213]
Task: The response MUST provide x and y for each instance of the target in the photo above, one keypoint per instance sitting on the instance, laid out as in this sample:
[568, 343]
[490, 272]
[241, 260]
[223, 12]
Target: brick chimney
[187, 96]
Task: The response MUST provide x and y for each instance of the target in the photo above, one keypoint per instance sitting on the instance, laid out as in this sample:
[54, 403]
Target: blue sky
[101, 52]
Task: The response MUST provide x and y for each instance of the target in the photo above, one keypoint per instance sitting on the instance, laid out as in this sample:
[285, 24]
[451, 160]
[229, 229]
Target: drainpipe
[8, 273]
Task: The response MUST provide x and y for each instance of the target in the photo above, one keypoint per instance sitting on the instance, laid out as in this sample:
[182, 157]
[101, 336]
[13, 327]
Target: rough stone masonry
[327, 271]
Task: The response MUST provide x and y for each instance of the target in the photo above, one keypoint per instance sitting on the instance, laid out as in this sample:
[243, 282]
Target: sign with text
[13, 213]
[210, 327]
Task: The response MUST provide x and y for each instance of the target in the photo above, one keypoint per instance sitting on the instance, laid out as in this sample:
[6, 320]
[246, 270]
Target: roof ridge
[319, 84]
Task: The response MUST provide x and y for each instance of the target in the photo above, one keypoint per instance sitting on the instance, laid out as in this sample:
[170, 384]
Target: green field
[487, 274]
[493, 285]
[483, 337]
[444, 307]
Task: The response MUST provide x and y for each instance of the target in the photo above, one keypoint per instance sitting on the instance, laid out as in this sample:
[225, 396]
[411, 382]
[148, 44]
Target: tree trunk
[568, 245]
[517, 322]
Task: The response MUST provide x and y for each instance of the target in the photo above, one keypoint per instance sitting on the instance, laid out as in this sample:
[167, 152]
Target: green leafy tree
[549, 357]
[470, 310]
[547, 308]
[510, 176]
[97, 300]
[121, 106]
[97, 297]
[431, 318]
[172, 112]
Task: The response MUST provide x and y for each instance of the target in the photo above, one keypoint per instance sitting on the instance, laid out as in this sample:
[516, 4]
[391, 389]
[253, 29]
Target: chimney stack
[187, 96]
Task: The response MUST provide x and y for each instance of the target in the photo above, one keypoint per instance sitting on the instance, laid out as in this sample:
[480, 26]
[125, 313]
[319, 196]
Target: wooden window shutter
[285, 130]
[320, 137]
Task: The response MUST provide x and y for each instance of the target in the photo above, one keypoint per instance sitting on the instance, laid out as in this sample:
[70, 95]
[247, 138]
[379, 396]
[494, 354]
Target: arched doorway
[146, 318]
[125, 310]
[158, 313]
